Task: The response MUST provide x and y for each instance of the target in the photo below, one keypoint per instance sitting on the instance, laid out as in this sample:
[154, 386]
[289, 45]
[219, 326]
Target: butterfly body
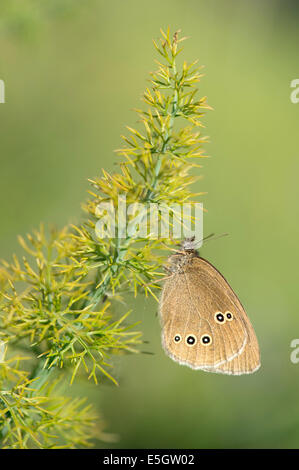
[204, 325]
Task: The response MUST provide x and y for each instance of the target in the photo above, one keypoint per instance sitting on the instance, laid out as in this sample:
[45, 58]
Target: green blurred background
[73, 72]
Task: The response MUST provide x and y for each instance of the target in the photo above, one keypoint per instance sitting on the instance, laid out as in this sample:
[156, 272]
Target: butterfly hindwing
[203, 322]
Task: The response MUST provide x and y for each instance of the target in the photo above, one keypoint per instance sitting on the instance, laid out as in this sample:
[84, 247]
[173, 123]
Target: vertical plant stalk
[56, 304]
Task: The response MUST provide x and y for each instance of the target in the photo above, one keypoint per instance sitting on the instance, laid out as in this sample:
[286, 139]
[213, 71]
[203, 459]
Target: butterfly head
[189, 244]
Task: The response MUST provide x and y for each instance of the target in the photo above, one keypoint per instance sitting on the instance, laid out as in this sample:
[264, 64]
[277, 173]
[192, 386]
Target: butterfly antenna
[212, 236]
[208, 236]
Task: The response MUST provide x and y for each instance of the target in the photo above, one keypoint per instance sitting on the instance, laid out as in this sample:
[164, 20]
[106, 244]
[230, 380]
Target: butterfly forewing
[180, 320]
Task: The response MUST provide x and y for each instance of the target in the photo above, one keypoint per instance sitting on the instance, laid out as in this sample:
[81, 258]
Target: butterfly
[204, 325]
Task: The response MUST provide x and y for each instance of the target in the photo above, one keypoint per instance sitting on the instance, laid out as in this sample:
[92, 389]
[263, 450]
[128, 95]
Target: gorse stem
[166, 136]
[57, 304]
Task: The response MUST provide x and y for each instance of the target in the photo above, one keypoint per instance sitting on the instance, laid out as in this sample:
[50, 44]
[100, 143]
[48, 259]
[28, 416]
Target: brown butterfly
[204, 325]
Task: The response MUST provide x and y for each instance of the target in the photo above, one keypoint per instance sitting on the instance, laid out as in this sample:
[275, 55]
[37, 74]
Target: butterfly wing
[190, 301]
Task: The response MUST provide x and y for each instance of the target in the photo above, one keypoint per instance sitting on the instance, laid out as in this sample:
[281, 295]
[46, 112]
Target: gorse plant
[56, 304]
